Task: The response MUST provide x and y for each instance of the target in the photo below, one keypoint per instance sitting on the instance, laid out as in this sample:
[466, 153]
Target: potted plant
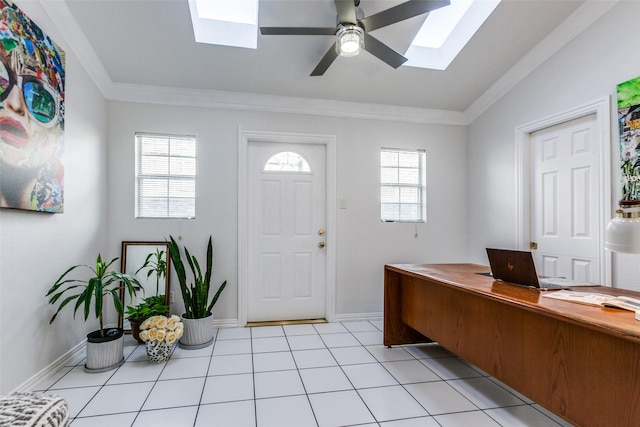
[156, 264]
[158, 333]
[104, 346]
[151, 306]
[198, 327]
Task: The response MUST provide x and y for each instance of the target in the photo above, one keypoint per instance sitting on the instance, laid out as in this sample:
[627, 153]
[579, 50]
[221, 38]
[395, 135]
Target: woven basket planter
[198, 333]
[104, 353]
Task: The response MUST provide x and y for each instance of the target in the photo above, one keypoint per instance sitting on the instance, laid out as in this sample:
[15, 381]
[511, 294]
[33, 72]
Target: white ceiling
[150, 44]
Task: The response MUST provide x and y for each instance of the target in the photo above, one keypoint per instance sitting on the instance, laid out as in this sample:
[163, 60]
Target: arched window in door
[287, 161]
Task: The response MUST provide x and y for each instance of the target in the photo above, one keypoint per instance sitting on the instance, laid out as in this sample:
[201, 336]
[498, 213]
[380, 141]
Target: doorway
[286, 228]
[548, 197]
[564, 206]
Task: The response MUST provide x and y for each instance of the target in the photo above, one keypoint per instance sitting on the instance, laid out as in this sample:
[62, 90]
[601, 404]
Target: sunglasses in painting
[40, 98]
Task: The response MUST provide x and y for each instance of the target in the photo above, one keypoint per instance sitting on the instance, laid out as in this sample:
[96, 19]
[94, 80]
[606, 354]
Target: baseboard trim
[353, 317]
[53, 367]
[226, 323]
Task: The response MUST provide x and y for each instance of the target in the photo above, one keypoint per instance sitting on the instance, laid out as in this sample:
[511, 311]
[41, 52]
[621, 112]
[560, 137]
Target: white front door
[286, 231]
[565, 196]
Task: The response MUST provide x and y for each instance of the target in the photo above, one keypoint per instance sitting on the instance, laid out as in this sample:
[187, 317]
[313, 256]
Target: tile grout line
[304, 387]
[206, 376]
[155, 383]
[290, 352]
[349, 379]
[253, 380]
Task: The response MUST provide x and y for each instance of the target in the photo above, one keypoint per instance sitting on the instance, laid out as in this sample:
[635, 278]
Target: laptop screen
[513, 266]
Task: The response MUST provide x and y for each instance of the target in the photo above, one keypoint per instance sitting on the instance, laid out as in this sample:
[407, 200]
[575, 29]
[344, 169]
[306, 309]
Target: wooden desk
[578, 361]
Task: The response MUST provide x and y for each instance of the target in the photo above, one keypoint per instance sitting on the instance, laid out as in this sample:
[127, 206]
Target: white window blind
[165, 176]
[403, 185]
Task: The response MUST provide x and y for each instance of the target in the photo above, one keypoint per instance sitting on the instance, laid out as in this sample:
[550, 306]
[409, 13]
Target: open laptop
[517, 267]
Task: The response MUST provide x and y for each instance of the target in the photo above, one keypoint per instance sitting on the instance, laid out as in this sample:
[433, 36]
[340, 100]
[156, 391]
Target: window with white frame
[402, 185]
[165, 176]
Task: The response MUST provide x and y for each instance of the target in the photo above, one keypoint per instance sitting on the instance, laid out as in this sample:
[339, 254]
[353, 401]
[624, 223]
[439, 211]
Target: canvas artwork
[32, 81]
[629, 127]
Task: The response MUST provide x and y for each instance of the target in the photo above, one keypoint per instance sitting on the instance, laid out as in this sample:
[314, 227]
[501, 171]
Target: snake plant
[196, 293]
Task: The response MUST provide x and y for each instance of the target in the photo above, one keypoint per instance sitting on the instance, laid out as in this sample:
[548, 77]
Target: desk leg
[396, 332]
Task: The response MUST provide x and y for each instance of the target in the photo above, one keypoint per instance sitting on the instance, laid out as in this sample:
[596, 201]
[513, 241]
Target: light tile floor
[334, 374]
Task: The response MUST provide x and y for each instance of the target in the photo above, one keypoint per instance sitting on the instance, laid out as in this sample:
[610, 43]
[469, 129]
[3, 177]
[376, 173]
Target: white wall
[587, 69]
[364, 243]
[471, 189]
[36, 248]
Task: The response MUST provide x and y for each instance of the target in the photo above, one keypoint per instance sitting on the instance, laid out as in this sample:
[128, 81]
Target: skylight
[440, 24]
[225, 22]
[446, 31]
[442, 36]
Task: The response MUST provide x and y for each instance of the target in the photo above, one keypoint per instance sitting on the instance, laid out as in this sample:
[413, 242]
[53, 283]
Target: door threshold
[286, 322]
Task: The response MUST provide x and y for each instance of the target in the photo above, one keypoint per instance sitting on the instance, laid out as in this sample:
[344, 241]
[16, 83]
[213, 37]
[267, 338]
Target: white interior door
[565, 197]
[286, 231]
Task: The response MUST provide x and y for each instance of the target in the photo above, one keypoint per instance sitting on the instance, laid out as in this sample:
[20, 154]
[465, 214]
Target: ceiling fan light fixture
[350, 40]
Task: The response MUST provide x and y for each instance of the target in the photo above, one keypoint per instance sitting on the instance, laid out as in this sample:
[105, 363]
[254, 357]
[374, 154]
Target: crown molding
[589, 12]
[77, 42]
[280, 104]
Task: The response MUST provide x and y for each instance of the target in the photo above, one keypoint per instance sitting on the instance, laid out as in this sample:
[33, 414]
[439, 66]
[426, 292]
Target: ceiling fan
[352, 31]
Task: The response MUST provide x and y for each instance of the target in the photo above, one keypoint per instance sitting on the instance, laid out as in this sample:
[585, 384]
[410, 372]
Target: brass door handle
[321, 245]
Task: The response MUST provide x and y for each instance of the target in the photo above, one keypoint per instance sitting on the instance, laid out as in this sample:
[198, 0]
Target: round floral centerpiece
[158, 334]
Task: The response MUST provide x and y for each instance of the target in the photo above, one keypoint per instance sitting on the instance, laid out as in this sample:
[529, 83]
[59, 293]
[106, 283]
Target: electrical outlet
[172, 297]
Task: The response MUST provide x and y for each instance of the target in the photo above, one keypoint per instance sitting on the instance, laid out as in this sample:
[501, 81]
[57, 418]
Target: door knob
[321, 245]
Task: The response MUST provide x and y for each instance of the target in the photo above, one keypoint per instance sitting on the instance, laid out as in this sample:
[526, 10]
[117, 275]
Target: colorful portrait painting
[629, 128]
[31, 115]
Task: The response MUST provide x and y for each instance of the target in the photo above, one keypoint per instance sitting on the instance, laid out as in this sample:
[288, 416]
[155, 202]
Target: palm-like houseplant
[89, 294]
[155, 264]
[197, 303]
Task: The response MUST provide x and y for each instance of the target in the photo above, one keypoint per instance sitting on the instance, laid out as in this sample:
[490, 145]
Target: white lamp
[623, 231]
[350, 40]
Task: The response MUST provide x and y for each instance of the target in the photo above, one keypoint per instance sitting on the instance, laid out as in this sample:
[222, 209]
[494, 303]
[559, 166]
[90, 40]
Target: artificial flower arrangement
[161, 329]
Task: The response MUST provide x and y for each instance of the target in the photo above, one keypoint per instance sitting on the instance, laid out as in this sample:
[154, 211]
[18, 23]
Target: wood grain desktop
[580, 362]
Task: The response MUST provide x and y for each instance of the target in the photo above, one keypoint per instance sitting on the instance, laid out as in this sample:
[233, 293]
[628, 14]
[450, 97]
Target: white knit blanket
[33, 410]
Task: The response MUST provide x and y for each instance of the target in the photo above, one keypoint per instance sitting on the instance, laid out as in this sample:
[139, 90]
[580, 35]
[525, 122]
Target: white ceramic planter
[198, 333]
[104, 353]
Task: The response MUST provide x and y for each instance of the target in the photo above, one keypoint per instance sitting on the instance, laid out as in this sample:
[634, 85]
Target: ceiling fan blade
[298, 31]
[401, 12]
[346, 11]
[326, 61]
[382, 51]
